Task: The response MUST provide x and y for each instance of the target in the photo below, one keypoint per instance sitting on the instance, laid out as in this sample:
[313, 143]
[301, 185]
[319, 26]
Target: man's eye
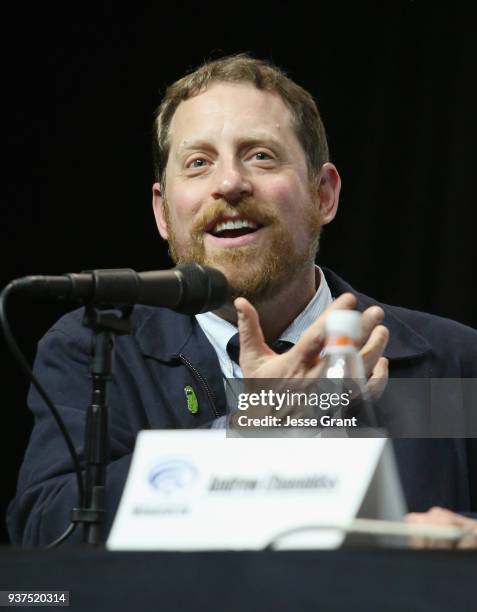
[262, 156]
[197, 163]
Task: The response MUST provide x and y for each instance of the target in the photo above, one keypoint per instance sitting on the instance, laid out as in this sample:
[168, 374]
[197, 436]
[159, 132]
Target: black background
[395, 85]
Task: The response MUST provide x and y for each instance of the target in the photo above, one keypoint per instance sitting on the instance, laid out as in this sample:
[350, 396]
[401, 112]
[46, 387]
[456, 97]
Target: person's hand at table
[441, 516]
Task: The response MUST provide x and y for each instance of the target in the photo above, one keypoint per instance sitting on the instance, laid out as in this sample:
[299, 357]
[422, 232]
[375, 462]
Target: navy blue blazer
[168, 351]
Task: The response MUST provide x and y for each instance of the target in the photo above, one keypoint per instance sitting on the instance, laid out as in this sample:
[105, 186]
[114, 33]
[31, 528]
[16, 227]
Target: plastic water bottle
[343, 368]
[341, 358]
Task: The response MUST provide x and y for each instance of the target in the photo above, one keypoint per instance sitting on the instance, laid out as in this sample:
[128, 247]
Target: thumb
[252, 342]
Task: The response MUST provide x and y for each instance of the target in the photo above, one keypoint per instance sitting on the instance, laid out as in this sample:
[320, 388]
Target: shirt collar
[219, 331]
[315, 307]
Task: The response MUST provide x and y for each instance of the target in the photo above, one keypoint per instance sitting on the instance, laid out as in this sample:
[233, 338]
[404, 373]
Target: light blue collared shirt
[219, 331]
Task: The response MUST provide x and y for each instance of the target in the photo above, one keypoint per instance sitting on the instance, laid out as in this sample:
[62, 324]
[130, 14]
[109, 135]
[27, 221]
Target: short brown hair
[263, 75]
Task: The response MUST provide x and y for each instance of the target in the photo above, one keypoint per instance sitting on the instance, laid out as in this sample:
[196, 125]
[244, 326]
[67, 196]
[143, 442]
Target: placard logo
[173, 475]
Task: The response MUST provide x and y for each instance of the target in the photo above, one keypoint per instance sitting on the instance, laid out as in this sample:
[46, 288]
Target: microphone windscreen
[204, 289]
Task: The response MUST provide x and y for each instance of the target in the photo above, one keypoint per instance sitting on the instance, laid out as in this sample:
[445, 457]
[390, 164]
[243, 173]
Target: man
[244, 183]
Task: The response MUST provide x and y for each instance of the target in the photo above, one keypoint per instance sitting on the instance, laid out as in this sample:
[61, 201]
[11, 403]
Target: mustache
[248, 208]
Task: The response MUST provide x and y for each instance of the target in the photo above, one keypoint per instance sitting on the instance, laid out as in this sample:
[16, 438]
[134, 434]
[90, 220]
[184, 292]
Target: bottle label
[340, 341]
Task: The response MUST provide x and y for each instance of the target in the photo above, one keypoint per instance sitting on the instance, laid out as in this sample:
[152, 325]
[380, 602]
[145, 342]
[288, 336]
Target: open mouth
[233, 228]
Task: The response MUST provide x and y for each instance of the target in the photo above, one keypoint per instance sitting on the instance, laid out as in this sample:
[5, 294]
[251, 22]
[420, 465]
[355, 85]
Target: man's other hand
[441, 516]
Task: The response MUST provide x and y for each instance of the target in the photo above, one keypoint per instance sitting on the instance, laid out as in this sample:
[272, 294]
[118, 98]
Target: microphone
[188, 289]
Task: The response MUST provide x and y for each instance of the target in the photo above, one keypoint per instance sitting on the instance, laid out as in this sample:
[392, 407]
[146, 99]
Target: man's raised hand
[258, 360]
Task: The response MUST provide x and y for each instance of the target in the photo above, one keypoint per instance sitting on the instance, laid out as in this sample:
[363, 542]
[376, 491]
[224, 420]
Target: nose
[231, 183]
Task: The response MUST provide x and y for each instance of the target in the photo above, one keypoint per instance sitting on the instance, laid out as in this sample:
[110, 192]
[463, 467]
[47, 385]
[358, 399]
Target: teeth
[234, 224]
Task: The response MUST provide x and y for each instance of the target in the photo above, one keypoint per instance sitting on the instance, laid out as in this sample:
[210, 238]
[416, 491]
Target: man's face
[238, 195]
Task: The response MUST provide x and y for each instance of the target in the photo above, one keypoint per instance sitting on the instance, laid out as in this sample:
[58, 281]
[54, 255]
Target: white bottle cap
[344, 323]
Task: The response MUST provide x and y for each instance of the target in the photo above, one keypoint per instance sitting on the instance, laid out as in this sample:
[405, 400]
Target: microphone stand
[105, 325]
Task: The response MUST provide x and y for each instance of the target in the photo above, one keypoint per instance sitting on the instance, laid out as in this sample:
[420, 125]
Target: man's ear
[329, 187]
[158, 208]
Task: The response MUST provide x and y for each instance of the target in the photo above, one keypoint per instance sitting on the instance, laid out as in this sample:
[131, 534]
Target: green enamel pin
[192, 401]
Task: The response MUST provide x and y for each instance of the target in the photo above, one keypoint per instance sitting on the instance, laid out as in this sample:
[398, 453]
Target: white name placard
[199, 490]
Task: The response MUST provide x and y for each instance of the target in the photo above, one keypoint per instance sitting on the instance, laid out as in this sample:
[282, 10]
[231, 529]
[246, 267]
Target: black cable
[64, 536]
[27, 372]
[271, 546]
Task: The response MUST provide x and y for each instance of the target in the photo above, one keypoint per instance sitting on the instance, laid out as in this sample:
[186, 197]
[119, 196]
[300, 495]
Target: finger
[421, 518]
[252, 341]
[308, 348]
[374, 347]
[468, 540]
[370, 318]
[346, 301]
[416, 518]
[443, 516]
[436, 516]
[379, 378]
